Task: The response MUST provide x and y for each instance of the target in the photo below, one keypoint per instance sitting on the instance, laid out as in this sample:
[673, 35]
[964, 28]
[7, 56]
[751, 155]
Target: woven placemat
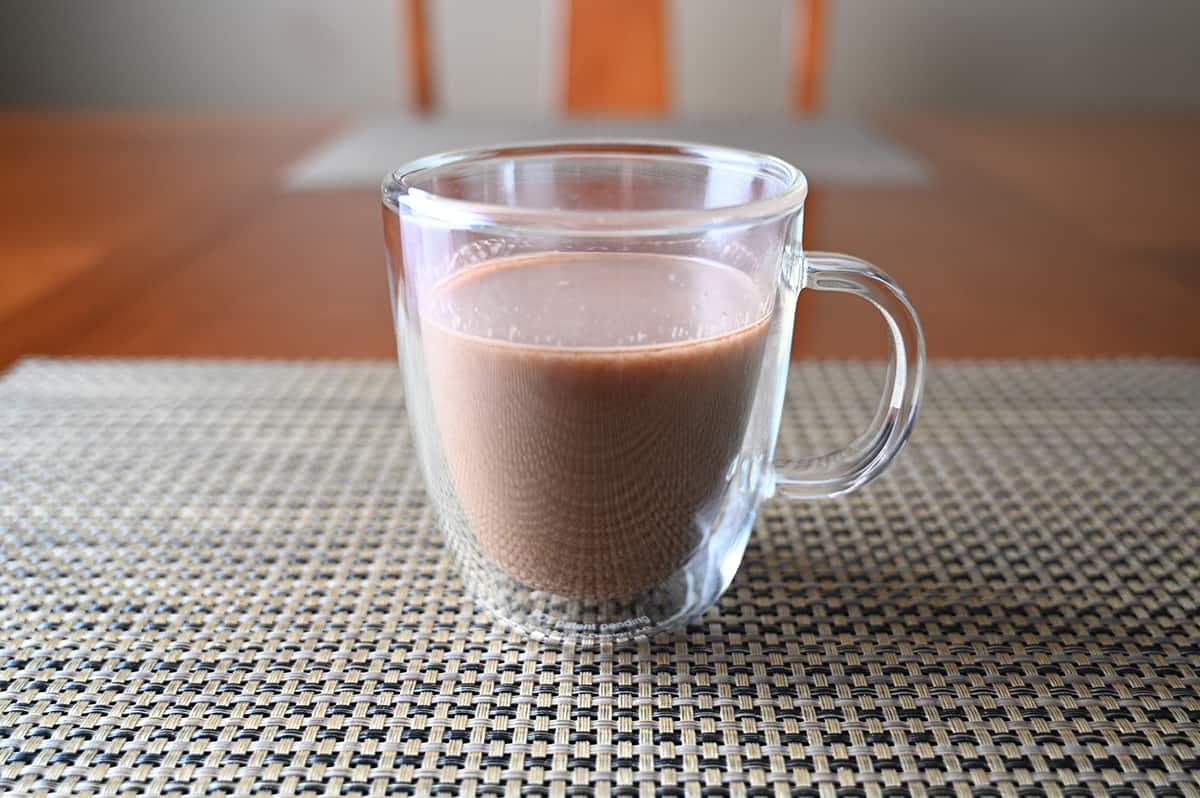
[224, 578]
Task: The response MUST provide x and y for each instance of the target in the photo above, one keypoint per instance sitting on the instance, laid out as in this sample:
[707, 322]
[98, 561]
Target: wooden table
[126, 234]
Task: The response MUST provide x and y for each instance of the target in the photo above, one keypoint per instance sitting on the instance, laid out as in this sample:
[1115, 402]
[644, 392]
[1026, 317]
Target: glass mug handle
[864, 458]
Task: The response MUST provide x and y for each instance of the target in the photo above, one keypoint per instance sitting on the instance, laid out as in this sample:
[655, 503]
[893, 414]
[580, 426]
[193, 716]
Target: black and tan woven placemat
[224, 578]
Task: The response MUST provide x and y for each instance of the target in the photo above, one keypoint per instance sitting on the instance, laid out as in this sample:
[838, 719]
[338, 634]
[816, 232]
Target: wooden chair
[632, 77]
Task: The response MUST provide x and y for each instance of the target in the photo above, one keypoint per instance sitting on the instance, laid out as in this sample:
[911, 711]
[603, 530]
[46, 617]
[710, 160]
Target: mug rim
[401, 194]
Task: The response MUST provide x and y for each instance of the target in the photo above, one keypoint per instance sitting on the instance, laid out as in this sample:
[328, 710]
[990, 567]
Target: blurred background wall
[503, 55]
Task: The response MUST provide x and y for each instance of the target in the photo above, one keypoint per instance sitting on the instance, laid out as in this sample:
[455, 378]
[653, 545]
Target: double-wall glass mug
[595, 340]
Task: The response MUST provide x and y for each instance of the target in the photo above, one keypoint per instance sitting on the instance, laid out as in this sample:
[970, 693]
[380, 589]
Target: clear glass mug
[595, 340]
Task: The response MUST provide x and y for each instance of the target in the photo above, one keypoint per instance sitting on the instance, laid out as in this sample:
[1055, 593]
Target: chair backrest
[617, 55]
